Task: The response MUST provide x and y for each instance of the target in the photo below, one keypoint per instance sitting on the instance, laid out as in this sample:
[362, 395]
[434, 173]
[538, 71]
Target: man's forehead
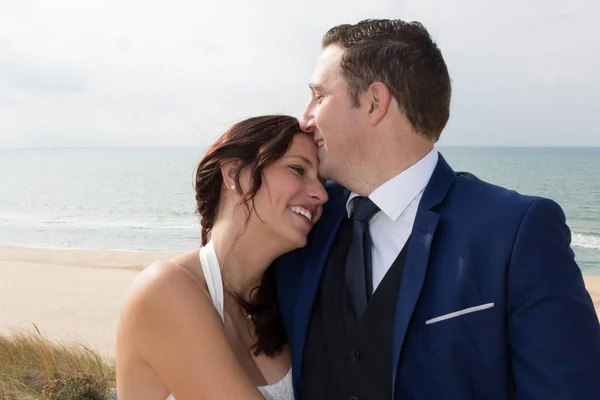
[330, 57]
[327, 68]
[332, 52]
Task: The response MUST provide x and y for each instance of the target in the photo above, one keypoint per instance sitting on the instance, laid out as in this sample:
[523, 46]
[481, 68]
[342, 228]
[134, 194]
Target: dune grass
[33, 367]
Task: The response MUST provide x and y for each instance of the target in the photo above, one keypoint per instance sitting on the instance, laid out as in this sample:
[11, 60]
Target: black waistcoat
[346, 357]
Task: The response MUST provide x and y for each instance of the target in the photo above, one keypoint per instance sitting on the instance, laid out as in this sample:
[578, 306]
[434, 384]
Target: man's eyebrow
[306, 160]
[316, 87]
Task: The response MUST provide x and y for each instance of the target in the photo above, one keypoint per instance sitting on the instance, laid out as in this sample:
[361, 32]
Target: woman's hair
[254, 143]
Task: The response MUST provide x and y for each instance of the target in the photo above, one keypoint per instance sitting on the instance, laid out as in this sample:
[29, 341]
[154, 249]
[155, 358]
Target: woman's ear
[229, 170]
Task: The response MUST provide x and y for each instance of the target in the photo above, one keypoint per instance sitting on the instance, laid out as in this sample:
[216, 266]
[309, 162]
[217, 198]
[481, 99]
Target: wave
[184, 222]
[586, 241]
[55, 222]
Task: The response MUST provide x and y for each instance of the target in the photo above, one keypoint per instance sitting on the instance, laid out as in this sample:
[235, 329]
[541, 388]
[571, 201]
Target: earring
[232, 187]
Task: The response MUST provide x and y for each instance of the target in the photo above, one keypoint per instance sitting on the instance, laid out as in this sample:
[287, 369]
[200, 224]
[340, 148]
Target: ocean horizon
[142, 198]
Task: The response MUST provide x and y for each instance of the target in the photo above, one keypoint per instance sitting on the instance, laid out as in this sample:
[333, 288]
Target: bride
[205, 325]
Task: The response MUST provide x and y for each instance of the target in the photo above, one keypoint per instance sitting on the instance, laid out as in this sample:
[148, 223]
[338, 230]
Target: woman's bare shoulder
[171, 324]
[164, 284]
[181, 272]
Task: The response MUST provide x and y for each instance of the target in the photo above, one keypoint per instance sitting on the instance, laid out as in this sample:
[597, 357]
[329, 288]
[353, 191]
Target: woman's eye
[299, 170]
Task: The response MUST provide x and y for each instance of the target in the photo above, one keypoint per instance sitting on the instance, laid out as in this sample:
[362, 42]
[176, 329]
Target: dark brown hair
[254, 143]
[402, 56]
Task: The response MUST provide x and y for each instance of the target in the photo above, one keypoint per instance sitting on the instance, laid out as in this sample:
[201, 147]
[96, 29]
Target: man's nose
[307, 120]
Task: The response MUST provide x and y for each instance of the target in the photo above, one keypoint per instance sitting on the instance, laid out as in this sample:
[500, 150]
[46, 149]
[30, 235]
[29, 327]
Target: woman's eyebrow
[306, 160]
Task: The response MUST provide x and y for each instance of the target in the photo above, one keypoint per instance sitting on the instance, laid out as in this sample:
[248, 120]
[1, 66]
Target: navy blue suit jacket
[472, 244]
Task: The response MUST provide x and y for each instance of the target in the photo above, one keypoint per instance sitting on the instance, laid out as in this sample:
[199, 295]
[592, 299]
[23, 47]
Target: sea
[142, 199]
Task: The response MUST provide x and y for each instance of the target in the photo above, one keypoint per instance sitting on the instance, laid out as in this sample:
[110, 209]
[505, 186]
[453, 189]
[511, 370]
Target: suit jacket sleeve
[553, 329]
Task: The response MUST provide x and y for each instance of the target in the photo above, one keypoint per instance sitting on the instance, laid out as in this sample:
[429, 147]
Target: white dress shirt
[398, 200]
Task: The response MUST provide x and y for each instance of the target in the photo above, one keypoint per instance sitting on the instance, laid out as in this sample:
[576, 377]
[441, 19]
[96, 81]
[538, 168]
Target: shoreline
[77, 295]
[91, 258]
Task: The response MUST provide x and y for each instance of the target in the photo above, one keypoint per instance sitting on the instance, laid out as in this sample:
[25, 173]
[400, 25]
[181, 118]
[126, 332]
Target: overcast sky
[179, 72]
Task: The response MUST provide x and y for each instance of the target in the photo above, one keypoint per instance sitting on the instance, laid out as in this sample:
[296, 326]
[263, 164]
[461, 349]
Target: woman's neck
[244, 255]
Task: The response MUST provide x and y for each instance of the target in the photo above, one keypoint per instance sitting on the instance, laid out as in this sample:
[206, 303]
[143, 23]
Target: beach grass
[34, 367]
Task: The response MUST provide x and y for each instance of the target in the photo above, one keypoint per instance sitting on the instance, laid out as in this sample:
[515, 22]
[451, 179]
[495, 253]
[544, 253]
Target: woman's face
[290, 200]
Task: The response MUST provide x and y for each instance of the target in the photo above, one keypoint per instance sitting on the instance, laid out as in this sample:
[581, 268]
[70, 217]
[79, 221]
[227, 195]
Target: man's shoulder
[491, 215]
[470, 186]
[482, 202]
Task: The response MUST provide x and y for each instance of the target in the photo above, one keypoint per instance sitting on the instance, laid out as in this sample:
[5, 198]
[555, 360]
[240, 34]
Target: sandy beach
[70, 295]
[76, 295]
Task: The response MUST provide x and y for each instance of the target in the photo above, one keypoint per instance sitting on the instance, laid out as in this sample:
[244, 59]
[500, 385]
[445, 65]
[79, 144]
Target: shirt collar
[396, 194]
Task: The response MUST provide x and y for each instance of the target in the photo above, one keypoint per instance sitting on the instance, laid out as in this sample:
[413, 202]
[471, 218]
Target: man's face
[338, 128]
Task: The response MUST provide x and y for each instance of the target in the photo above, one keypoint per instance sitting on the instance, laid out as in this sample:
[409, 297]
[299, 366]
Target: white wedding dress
[282, 390]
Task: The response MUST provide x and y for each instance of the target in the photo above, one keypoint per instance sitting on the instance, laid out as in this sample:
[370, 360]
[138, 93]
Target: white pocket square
[459, 313]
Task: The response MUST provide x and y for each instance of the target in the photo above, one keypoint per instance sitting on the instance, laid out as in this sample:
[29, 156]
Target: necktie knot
[364, 209]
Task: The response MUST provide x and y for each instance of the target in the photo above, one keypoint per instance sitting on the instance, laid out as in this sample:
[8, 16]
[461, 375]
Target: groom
[420, 282]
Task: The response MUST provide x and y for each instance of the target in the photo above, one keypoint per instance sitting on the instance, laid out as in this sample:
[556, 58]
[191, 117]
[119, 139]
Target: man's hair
[403, 56]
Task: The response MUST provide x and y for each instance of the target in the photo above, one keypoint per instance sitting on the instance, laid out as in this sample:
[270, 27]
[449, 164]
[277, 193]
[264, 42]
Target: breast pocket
[466, 314]
[474, 332]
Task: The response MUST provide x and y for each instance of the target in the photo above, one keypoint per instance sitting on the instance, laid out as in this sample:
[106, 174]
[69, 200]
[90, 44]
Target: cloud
[23, 75]
[129, 72]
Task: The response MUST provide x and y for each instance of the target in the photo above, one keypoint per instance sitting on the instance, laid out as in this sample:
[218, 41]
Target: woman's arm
[176, 329]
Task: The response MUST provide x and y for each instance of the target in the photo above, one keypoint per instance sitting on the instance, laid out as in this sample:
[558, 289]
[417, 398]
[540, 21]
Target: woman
[205, 325]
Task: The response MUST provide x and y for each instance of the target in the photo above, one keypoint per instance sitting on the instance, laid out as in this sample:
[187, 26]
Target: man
[420, 282]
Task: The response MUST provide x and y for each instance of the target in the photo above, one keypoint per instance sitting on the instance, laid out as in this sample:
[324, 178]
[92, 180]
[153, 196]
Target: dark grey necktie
[359, 271]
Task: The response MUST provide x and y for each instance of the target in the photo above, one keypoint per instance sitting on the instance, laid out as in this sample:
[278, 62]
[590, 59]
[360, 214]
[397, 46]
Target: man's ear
[229, 170]
[378, 97]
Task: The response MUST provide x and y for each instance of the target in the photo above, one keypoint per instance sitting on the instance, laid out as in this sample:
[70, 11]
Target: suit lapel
[325, 233]
[417, 258]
